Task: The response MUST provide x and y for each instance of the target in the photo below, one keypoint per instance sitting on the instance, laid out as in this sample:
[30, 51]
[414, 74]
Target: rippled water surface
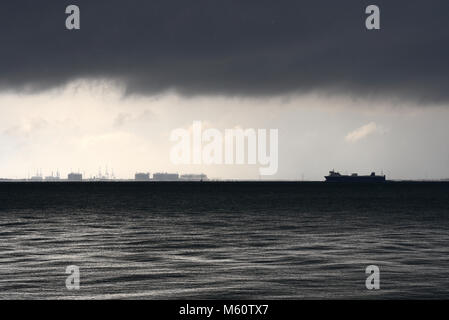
[223, 240]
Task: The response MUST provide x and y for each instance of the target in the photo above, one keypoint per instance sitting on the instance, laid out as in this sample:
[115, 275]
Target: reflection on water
[223, 240]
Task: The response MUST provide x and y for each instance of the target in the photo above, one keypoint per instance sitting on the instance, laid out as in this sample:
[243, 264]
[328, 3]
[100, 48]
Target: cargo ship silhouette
[337, 177]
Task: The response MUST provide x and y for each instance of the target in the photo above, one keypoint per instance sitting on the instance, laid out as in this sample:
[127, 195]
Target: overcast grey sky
[110, 93]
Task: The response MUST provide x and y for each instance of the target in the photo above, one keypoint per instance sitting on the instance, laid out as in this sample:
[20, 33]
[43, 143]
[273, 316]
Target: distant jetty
[139, 177]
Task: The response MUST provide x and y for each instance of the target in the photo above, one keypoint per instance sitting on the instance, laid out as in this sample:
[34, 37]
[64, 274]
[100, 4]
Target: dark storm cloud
[230, 47]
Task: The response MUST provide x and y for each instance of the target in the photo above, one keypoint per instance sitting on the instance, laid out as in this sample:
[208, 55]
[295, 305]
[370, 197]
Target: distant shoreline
[213, 181]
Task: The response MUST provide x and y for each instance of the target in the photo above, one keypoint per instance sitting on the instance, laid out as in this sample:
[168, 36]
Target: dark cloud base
[249, 48]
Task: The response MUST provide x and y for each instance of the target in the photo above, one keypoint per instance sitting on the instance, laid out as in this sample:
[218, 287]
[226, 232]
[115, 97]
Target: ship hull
[369, 179]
